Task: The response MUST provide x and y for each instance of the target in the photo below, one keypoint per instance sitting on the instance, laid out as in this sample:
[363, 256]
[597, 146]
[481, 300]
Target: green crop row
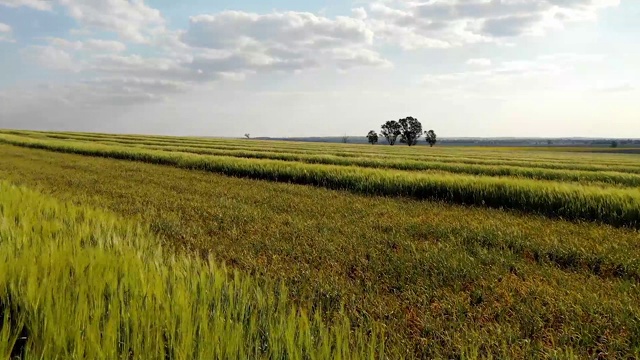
[481, 160]
[82, 284]
[497, 157]
[620, 207]
[624, 179]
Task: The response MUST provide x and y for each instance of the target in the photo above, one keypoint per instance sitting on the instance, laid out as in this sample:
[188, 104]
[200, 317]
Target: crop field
[131, 246]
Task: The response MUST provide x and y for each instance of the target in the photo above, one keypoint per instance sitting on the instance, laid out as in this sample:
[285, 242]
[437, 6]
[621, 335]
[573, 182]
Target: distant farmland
[271, 249]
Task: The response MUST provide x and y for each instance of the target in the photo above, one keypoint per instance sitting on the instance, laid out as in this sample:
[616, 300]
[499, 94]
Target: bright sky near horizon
[527, 68]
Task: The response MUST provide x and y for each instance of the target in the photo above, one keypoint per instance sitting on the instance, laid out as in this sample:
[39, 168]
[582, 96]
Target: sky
[465, 68]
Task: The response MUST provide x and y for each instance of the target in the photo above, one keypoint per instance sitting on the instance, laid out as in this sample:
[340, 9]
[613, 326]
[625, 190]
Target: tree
[431, 137]
[391, 130]
[614, 144]
[345, 139]
[372, 136]
[247, 135]
[411, 130]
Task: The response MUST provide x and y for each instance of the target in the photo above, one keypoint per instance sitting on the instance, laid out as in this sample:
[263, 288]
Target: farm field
[315, 250]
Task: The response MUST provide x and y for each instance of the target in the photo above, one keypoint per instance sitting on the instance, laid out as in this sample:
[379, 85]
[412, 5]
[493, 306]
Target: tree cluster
[409, 130]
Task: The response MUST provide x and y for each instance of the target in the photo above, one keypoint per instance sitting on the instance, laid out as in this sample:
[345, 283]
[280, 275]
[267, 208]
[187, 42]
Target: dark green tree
[411, 130]
[431, 137]
[372, 136]
[391, 130]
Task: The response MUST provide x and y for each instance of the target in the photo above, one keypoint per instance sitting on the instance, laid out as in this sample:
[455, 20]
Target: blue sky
[546, 68]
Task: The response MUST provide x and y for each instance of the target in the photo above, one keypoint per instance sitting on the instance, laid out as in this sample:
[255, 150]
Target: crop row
[581, 248]
[454, 160]
[81, 284]
[360, 150]
[616, 178]
[620, 207]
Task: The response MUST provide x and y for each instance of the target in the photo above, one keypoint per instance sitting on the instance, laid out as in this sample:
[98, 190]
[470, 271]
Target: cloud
[91, 45]
[510, 75]
[5, 33]
[510, 26]
[35, 4]
[281, 41]
[51, 57]
[229, 45]
[104, 45]
[64, 55]
[132, 20]
[451, 23]
[619, 88]
[123, 90]
[359, 13]
[479, 62]
[297, 29]
[97, 93]
[152, 68]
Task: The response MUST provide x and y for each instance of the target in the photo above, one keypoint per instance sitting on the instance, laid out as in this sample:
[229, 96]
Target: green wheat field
[154, 247]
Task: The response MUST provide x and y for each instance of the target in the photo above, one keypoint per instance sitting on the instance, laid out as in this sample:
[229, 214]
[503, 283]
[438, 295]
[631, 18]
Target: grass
[76, 283]
[447, 281]
[620, 207]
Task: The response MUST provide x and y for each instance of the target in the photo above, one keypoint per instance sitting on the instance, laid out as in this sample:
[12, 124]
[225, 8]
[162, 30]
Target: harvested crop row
[620, 207]
[108, 286]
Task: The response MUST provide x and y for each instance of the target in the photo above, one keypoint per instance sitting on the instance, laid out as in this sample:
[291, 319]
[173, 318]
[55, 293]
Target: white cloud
[231, 28]
[151, 70]
[5, 33]
[35, 4]
[449, 23]
[618, 88]
[479, 62]
[572, 58]
[135, 66]
[510, 76]
[51, 57]
[97, 93]
[229, 45]
[359, 13]
[90, 45]
[131, 20]
[104, 45]
[123, 90]
[285, 41]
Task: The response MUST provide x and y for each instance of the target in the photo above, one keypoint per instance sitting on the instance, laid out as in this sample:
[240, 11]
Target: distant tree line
[409, 130]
